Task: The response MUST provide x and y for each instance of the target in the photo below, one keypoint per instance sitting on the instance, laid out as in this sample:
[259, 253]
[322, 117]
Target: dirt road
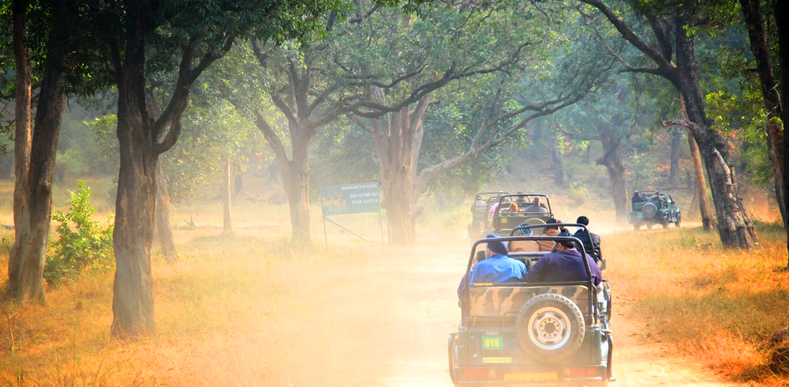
[386, 322]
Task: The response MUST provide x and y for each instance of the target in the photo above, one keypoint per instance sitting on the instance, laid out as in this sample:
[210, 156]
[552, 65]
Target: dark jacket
[591, 242]
[563, 266]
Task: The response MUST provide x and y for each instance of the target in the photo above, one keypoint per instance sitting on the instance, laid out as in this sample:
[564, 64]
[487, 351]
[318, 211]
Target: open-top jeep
[530, 334]
[480, 212]
[515, 209]
[653, 207]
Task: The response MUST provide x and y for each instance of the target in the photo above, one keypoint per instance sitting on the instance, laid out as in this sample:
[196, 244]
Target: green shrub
[82, 245]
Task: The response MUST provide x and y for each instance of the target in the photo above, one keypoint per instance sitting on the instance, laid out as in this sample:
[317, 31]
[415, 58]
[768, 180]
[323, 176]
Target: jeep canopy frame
[505, 220]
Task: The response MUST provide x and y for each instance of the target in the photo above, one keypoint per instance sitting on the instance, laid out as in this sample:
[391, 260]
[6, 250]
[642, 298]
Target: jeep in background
[652, 207]
[480, 213]
[520, 208]
[522, 334]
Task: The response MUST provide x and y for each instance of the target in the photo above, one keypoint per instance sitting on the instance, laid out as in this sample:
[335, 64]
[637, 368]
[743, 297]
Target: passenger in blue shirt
[497, 267]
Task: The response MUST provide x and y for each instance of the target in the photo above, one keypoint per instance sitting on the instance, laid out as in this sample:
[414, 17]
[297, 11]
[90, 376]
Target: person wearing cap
[564, 264]
[497, 266]
[591, 241]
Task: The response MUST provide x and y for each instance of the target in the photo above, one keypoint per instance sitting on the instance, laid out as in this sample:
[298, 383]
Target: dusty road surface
[384, 322]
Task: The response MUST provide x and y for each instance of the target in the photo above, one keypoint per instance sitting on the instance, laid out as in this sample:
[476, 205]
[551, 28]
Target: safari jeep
[520, 334]
[653, 207]
[515, 209]
[480, 210]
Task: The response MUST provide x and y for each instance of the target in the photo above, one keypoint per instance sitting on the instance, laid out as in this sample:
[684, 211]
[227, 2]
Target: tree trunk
[394, 138]
[227, 226]
[558, 166]
[22, 139]
[676, 138]
[781, 12]
[296, 177]
[705, 209]
[734, 225]
[27, 255]
[164, 233]
[23, 107]
[132, 303]
[775, 134]
[612, 160]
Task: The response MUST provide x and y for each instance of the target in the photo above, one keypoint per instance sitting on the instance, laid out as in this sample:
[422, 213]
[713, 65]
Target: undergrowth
[718, 305]
[82, 244]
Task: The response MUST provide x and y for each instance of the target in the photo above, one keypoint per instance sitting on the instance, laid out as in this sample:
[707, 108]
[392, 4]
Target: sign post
[351, 199]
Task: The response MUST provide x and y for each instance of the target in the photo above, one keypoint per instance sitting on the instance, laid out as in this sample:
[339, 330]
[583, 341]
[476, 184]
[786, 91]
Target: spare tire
[649, 210]
[550, 328]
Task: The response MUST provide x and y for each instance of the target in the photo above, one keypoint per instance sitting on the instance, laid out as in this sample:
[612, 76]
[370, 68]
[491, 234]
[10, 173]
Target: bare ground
[384, 322]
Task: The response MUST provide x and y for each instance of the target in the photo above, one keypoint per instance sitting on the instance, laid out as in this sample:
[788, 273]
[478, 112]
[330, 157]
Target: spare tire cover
[649, 210]
[550, 328]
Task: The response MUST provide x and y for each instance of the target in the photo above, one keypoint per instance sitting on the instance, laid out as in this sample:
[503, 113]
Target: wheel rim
[549, 328]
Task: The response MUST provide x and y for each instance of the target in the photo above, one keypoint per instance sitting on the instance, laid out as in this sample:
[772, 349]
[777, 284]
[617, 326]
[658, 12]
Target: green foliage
[83, 244]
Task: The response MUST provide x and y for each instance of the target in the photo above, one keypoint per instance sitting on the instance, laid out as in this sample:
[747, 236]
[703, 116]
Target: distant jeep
[480, 213]
[520, 208]
[652, 207]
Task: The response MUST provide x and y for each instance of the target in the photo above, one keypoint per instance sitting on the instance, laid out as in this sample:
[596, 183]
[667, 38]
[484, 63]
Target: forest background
[202, 101]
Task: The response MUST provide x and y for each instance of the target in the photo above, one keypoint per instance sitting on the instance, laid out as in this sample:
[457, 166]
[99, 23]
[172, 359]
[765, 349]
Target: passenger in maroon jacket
[564, 264]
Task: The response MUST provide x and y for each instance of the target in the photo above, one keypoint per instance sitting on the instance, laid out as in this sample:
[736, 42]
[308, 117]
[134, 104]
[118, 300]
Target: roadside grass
[217, 311]
[720, 306]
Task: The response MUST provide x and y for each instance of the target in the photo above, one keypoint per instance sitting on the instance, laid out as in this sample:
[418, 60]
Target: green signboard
[350, 199]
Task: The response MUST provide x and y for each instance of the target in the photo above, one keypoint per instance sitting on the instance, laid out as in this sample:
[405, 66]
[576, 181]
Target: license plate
[492, 342]
[531, 377]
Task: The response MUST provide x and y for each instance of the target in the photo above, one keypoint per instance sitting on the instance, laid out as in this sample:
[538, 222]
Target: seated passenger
[551, 230]
[524, 246]
[521, 200]
[536, 207]
[562, 265]
[474, 261]
[590, 240]
[512, 208]
[497, 266]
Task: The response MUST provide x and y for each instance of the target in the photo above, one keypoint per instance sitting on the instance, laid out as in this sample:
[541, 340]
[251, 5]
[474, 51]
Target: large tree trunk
[295, 173]
[394, 138]
[164, 234]
[27, 255]
[612, 160]
[676, 137]
[705, 209]
[734, 225]
[135, 206]
[227, 225]
[22, 139]
[23, 107]
[772, 103]
[781, 12]
[296, 177]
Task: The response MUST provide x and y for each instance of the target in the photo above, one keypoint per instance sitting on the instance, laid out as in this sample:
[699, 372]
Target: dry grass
[719, 305]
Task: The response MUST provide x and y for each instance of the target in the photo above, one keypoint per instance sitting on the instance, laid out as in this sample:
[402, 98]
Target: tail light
[479, 373]
[582, 372]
